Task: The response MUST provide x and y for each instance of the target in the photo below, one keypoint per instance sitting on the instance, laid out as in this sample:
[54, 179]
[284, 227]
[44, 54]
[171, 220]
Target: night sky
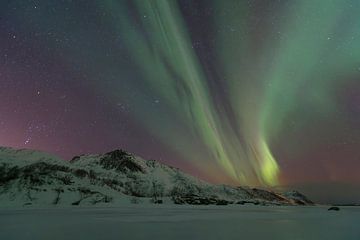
[241, 92]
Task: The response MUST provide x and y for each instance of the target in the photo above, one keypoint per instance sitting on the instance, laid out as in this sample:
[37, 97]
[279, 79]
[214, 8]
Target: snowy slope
[35, 178]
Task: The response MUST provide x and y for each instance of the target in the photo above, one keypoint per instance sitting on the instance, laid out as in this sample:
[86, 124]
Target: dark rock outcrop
[121, 161]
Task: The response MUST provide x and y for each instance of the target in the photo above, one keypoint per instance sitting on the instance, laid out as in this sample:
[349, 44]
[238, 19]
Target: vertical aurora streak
[242, 92]
[169, 49]
[261, 102]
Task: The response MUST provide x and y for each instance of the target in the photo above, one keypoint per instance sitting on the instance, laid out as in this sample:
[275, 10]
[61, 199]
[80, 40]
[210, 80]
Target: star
[27, 140]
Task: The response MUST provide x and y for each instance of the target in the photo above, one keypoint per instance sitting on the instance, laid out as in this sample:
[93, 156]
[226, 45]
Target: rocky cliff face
[36, 178]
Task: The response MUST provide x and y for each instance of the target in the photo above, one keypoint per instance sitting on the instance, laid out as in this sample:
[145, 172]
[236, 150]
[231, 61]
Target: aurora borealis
[242, 92]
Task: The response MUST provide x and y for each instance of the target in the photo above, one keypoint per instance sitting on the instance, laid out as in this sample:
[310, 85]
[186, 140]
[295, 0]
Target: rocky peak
[118, 154]
[121, 161]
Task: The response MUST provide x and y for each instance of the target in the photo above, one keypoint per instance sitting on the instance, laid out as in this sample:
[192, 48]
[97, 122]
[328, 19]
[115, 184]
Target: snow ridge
[29, 177]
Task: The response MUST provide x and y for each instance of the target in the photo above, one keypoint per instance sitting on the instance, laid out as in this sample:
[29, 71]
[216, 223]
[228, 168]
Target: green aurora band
[260, 103]
[271, 67]
[176, 73]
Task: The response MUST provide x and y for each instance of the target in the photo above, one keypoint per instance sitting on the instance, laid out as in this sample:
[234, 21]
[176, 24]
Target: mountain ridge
[30, 177]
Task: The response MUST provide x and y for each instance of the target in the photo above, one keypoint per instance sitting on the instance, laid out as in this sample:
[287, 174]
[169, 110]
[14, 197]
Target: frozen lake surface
[181, 222]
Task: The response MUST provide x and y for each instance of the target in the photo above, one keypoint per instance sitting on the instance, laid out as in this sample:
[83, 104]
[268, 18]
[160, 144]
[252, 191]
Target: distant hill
[30, 177]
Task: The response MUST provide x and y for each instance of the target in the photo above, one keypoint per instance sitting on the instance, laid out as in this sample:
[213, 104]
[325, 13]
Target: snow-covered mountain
[30, 177]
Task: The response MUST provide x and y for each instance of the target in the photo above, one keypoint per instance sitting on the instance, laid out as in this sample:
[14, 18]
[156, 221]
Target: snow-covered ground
[181, 222]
